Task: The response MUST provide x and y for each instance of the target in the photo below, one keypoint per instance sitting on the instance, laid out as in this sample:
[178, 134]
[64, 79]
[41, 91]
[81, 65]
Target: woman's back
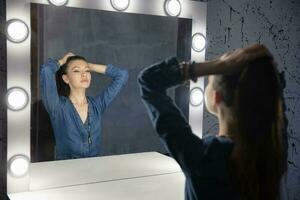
[246, 96]
[210, 178]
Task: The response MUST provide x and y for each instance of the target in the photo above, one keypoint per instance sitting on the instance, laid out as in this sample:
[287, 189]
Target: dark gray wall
[3, 108]
[234, 23]
[130, 41]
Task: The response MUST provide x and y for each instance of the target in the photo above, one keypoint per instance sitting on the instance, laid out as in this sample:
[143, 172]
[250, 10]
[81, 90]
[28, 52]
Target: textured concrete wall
[234, 23]
[3, 113]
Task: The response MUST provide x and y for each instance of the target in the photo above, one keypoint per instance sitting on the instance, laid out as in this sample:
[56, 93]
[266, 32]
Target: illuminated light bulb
[196, 96]
[18, 165]
[198, 42]
[16, 30]
[173, 7]
[58, 2]
[120, 5]
[16, 98]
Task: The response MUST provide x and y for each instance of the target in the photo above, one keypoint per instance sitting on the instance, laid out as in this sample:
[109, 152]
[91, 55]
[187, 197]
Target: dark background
[275, 23]
[230, 24]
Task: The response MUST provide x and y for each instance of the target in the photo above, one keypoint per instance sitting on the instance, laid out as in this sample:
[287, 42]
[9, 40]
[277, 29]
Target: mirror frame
[19, 69]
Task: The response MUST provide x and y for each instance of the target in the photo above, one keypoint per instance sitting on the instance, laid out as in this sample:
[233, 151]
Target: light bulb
[120, 5]
[18, 165]
[16, 98]
[17, 31]
[196, 96]
[198, 42]
[172, 7]
[58, 2]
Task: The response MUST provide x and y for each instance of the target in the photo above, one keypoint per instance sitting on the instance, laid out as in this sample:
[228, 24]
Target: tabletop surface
[132, 176]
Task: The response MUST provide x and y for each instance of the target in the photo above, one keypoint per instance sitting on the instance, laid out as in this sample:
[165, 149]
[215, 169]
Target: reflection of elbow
[121, 76]
[125, 75]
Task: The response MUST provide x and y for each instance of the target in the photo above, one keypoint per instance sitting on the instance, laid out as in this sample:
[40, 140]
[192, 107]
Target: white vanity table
[131, 176]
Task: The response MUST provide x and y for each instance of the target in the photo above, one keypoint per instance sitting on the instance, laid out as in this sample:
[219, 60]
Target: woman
[245, 160]
[75, 117]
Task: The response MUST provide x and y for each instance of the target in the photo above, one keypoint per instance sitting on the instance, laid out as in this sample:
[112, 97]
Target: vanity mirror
[133, 37]
[130, 41]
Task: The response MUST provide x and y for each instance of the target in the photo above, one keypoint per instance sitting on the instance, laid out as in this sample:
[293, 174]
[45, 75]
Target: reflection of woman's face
[78, 74]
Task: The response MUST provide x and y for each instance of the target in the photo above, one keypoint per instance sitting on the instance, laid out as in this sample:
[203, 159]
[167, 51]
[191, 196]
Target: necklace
[79, 104]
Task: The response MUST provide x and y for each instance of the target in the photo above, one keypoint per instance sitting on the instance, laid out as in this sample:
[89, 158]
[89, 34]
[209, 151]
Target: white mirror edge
[18, 69]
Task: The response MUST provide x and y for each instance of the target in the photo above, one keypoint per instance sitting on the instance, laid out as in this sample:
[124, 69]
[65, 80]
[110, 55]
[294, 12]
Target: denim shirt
[72, 139]
[204, 162]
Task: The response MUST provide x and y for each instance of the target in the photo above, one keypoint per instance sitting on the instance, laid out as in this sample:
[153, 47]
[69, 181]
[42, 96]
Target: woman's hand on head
[227, 64]
[63, 60]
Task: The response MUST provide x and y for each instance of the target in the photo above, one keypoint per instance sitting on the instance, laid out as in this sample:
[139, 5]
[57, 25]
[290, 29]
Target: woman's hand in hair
[229, 63]
[235, 61]
[185, 69]
[63, 60]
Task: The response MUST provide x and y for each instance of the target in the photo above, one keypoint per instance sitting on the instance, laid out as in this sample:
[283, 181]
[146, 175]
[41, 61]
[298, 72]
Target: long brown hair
[63, 89]
[254, 98]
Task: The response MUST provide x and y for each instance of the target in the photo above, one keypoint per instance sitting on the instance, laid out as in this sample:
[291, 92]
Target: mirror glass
[129, 41]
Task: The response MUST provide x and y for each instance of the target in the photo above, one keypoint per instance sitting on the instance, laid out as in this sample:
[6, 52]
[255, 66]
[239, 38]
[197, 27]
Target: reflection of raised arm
[97, 68]
[48, 87]
[48, 92]
[119, 78]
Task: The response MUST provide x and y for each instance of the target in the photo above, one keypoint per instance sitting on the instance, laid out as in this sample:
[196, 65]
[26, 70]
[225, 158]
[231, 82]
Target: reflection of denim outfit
[203, 161]
[71, 136]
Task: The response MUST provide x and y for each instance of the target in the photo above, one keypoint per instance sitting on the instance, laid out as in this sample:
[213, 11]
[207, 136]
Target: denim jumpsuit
[73, 138]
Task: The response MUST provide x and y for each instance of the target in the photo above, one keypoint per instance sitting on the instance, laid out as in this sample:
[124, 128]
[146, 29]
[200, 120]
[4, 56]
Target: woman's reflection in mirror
[75, 117]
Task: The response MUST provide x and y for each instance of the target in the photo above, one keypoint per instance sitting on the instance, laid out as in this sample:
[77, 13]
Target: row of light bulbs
[171, 7]
[17, 98]
[17, 31]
